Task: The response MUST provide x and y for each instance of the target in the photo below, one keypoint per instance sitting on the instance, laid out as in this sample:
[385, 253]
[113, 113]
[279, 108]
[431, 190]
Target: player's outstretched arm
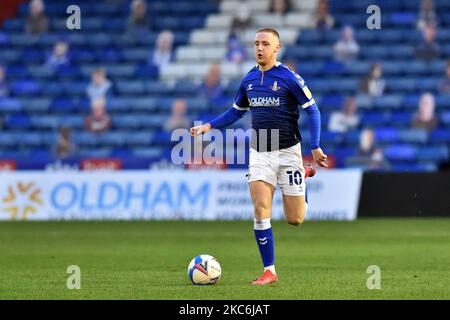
[314, 123]
[230, 116]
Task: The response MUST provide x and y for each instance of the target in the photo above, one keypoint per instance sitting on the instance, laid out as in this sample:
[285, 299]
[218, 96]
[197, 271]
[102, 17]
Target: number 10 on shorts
[295, 177]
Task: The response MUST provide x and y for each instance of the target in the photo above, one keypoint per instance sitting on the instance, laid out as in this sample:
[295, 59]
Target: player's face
[266, 47]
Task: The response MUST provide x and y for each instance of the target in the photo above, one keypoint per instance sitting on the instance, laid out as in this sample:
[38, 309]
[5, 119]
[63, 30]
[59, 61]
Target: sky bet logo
[21, 200]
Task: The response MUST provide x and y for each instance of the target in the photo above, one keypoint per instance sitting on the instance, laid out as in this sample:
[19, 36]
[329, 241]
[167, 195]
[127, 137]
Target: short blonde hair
[270, 30]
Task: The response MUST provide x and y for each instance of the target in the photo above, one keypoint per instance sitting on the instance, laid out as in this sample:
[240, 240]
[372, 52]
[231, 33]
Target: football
[204, 269]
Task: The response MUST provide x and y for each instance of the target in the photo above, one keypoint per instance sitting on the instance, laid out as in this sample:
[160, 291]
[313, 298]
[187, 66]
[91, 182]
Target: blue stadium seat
[51, 88]
[18, 121]
[185, 88]
[72, 121]
[18, 71]
[146, 71]
[351, 138]
[128, 121]
[33, 56]
[95, 153]
[435, 154]
[85, 138]
[401, 152]
[83, 56]
[74, 88]
[329, 102]
[308, 69]
[392, 101]
[10, 105]
[374, 118]
[442, 101]
[113, 139]
[9, 139]
[413, 167]
[331, 137]
[144, 103]
[400, 119]
[130, 88]
[445, 117]
[413, 136]
[157, 88]
[440, 135]
[97, 39]
[404, 18]
[44, 122]
[41, 72]
[136, 54]
[25, 87]
[68, 72]
[9, 55]
[62, 105]
[31, 139]
[144, 138]
[120, 71]
[36, 104]
[108, 55]
[163, 138]
[147, 152]
[401, 84]
[387, 135]
[118, 104]
[411, 101]
[197, 104]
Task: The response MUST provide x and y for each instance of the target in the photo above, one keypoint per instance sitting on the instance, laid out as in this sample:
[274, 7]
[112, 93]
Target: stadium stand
[41, 100]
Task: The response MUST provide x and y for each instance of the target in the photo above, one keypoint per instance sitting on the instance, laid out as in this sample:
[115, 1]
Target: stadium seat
[403, 152]
[440, 135]
[10, 105]
[413, 136]
[42, 100]
[387, 135]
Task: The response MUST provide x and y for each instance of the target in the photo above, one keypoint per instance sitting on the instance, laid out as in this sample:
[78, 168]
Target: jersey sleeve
[241, 99]
[305, 100]
[300, 91]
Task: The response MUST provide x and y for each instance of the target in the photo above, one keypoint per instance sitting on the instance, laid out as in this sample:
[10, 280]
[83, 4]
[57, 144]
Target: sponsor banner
[101, 164]
[206, 194]
[8, 165]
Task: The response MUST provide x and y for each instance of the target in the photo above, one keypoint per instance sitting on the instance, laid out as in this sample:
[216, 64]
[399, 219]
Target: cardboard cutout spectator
[98, 121]
[37, 21]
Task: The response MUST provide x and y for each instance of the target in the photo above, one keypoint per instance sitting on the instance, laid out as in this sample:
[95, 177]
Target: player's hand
[319, 157]
[198, 130]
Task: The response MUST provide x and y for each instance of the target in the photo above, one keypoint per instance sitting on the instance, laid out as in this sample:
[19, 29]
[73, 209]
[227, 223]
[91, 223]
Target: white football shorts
[281, 167]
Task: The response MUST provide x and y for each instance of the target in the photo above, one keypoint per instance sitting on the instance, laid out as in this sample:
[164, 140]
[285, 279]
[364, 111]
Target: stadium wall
[183, 194]
[405, 194]
[213, 195]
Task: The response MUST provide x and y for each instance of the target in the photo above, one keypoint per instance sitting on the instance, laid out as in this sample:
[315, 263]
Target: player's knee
[297, 221]
[261, 210]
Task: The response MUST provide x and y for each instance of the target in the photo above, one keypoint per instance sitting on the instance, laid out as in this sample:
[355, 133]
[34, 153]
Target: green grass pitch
[149, 259]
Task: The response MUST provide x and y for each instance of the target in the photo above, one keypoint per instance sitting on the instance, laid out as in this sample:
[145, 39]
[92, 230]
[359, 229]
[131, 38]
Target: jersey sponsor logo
[275, 86]
[264, 102]
[250, 87]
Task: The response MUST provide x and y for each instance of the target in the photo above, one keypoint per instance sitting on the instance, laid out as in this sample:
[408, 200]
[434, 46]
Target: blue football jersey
[273, 98]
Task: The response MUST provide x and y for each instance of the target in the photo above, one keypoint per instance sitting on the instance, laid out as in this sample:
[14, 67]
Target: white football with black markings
[204, 269]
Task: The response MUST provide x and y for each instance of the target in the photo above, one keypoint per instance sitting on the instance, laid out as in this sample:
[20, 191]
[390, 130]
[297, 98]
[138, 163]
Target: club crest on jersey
[250, 87]
[275, 86]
